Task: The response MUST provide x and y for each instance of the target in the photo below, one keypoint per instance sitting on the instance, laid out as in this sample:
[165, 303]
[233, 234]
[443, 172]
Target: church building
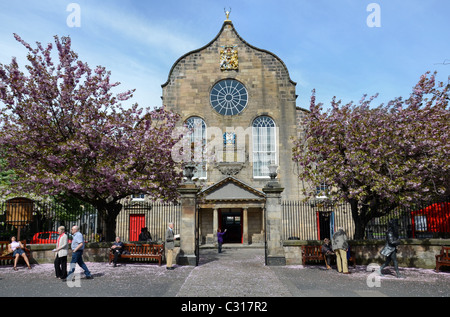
[239, 102]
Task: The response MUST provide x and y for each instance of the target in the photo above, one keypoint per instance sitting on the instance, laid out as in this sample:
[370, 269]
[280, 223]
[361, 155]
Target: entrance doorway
[325, 225]
[231, 220]
[137, 222]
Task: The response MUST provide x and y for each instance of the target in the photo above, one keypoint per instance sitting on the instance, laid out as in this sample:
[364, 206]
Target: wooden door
[137, 222]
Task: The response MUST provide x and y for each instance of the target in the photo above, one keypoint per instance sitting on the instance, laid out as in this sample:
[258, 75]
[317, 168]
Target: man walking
[77, 252]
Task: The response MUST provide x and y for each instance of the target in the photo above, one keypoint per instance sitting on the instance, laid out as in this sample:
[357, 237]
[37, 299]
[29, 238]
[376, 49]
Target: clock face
[228, 97]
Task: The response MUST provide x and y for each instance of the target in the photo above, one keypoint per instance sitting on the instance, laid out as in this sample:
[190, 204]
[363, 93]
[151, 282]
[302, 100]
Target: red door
[137, 222]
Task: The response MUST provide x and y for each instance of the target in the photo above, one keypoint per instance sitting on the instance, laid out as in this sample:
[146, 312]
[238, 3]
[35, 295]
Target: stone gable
[271, 92]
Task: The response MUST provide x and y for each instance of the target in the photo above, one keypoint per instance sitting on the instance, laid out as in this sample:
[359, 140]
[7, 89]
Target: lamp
[273, 171]
[273, 175]
[189, 169]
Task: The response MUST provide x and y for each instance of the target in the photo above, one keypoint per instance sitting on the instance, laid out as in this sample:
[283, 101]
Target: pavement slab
[237, 272]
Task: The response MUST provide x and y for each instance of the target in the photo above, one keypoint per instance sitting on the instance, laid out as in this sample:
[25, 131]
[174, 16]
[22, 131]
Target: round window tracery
[229, 97]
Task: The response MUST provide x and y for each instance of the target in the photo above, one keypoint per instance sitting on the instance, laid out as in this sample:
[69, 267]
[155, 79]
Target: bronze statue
[390, 249]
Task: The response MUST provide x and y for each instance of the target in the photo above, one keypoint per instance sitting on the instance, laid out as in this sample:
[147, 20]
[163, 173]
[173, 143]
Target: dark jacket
[327, 248]
[120, 245]
[391, 244]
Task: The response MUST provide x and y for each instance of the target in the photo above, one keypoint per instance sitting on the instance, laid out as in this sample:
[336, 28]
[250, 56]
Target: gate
[197, 235]
[265, 235]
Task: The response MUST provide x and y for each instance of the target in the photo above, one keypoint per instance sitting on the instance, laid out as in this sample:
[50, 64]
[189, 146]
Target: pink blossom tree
[377, 158]
[64, 131]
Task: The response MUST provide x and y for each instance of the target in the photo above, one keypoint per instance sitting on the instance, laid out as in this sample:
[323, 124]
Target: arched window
[264, 146]
[197, 127]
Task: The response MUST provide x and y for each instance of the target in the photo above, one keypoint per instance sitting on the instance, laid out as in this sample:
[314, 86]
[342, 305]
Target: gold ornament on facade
[229, 58]
[227, 14]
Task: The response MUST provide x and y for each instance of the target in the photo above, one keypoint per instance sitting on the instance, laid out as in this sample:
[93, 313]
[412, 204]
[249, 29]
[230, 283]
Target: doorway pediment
[231, 189]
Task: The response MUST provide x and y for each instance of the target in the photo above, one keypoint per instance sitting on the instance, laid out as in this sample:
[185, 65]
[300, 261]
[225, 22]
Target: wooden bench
[314, 253]
[443, 259]
[140, 251]
[9, 256]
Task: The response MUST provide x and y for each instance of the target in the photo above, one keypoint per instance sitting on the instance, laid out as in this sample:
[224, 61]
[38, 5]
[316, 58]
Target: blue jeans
[77, 257]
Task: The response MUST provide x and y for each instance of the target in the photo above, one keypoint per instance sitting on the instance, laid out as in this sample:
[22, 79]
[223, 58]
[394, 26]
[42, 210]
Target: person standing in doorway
[340, 247]
[77, 252]
[220, 239]
[169, 245]
[61, 250]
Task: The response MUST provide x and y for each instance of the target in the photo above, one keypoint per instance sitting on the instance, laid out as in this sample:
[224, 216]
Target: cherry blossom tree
[64, 131]
[5, 175]
[377, 158]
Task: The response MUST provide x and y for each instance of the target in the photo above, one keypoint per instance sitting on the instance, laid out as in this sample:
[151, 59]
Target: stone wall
[93, 252]
[271, 93]
[411, 253]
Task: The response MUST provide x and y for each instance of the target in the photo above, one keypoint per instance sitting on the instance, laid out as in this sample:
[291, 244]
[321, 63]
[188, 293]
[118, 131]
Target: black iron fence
[37, 222]
[316, 221]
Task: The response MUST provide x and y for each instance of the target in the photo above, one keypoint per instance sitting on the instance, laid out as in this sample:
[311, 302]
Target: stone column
[263, 223]
[215, 219]
[245, 225]
[215, 224]
[188, 193]
[273, 224]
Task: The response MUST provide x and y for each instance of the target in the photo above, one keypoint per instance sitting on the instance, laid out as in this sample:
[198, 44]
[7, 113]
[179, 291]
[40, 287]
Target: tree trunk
[360, 228]
[359, 218]
[108, 213]
[370, 209]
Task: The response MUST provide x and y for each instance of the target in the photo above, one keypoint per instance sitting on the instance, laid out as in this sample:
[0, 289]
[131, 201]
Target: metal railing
[34, 221]
[308, 221]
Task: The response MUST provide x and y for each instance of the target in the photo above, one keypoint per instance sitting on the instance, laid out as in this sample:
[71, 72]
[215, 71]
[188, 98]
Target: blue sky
[327, 45]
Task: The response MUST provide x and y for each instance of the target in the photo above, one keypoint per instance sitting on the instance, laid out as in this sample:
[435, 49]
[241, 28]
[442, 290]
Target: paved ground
[234, 273]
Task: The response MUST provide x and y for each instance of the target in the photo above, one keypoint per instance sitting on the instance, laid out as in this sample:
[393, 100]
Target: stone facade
[231, 190]
[271, 93]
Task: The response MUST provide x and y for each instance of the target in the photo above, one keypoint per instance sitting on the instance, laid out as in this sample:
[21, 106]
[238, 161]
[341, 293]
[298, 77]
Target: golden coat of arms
[229, 58]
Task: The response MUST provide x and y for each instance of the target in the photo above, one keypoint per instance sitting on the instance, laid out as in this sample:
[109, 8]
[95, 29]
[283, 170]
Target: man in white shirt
[77, 252]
